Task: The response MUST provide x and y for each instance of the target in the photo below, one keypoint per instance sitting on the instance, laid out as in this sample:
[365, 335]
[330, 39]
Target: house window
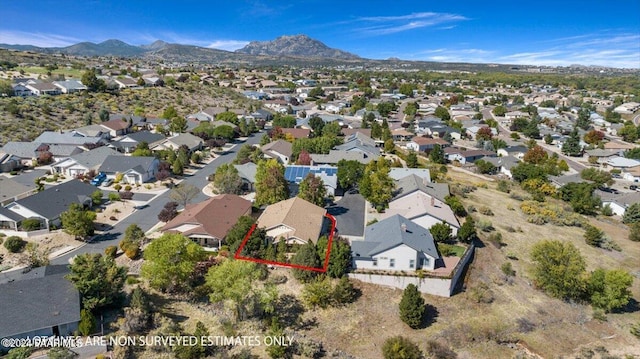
[375, 262]
[425, 262]
[392, 263]
[412, 263]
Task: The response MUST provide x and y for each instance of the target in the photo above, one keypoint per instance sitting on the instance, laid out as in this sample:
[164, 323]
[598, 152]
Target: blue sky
[516, 32]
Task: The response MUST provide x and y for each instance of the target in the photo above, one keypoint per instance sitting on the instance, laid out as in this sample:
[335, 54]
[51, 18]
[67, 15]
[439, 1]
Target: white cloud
[36, 39]
[228, 45]
[384, 25]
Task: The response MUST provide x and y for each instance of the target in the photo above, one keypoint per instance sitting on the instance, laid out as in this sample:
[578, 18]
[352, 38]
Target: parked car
[107, 182]
[97, 180]
[633, 187]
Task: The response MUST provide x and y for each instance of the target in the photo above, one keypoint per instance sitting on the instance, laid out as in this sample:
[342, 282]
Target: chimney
[403, 226]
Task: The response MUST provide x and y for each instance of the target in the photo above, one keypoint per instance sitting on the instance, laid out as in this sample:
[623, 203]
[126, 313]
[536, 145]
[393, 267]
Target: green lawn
[450, 249]
[67, 72]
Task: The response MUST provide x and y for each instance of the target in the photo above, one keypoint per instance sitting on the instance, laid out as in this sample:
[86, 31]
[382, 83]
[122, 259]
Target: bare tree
[184, 193]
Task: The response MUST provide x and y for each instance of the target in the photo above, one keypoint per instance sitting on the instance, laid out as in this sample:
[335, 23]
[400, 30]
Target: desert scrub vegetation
[544, 212]
[23, 119]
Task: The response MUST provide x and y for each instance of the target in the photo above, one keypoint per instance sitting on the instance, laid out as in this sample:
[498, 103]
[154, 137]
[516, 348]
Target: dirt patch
[47, 243]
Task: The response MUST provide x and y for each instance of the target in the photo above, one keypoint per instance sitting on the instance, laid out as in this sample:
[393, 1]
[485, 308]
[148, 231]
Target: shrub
[484, 225]
[593, 236]
[471, 209]
[399, 347]
[635, 329]
[111, 251]
[113, 197]
[127, 188]
[507, 269]
[126, 195]
[317, 293]
[132, 250]
[482, 293]
[117, 187]
[486, 211]
[634, 232]
[14, 244]
[87, 322]
[437, 350]
[496, 239]
[504, 186]
[31, 224]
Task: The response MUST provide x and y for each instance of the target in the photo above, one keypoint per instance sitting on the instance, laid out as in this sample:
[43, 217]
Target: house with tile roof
[425, 144]
[294, 220]
[208, 222]
[395, 244]
[279, 150]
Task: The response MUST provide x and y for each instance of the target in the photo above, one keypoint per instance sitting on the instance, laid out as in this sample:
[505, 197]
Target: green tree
[389, 146]
[593, 236]
[581, 197]
[412, 308]
[467, 231]
[339, 257]
[96, 197]
[227, 179]
[412, 160]
[456, 206]
[306, 256]
[331, 129]
[178, 125]
[633, 153]
[629, 132]
[610, 288]
[407, 89]
[98, 279]
[169, 262]
[634, 232]
[499, 111]
[559, 269]
[548, 139]
[184, 193]
[597, 176]
[284, 121]
[437, 155]
[312, 190]
[134, 234]
[234, 281]
[485, 166]
[92, 82]
[441, 232]
[349, 173]
[271, 186]
[571, 146]
[399, 347]
[317, 293]
[237, 233]
[223, 132]
[87, 323]
[317, 124]
[442, 113]
[376, 186]
[77, 221]
[632, 214]
[276, 331]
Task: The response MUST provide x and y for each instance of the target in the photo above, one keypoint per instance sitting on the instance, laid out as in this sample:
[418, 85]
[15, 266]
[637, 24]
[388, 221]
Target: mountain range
[300, 46]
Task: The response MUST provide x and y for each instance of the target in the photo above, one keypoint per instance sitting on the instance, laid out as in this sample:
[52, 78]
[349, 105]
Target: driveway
[349, 214]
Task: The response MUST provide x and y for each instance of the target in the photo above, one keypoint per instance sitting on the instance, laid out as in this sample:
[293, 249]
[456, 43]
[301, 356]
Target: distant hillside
[295, 46]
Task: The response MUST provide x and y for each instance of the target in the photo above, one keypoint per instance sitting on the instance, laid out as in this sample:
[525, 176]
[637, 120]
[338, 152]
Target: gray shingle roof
[335, 156]
[247, 171]
[412, 183]
[95, 157]
[51, 202]
[68, 138]
[10, 188]
[397, 173]
[389, 233]
[21, 149]
[186, 139]
[38, 303]
[10, 214]
[122, 164]
[145, 136]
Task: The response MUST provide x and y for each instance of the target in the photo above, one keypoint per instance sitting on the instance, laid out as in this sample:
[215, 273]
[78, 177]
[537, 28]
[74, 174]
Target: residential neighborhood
[183, 181]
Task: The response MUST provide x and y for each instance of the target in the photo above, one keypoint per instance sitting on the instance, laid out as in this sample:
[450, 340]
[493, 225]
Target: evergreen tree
[77, 221]
[399, 347]
[441, 232]
[98, 279]
[571, 146]
[412, 308]
[467, 231]
[376, 186]
[412, 160]
[306, 256]
[632, 214]
[437, 155]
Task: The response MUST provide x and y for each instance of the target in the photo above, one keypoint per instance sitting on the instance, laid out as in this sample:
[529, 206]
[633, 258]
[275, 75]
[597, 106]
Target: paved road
[148, 217]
